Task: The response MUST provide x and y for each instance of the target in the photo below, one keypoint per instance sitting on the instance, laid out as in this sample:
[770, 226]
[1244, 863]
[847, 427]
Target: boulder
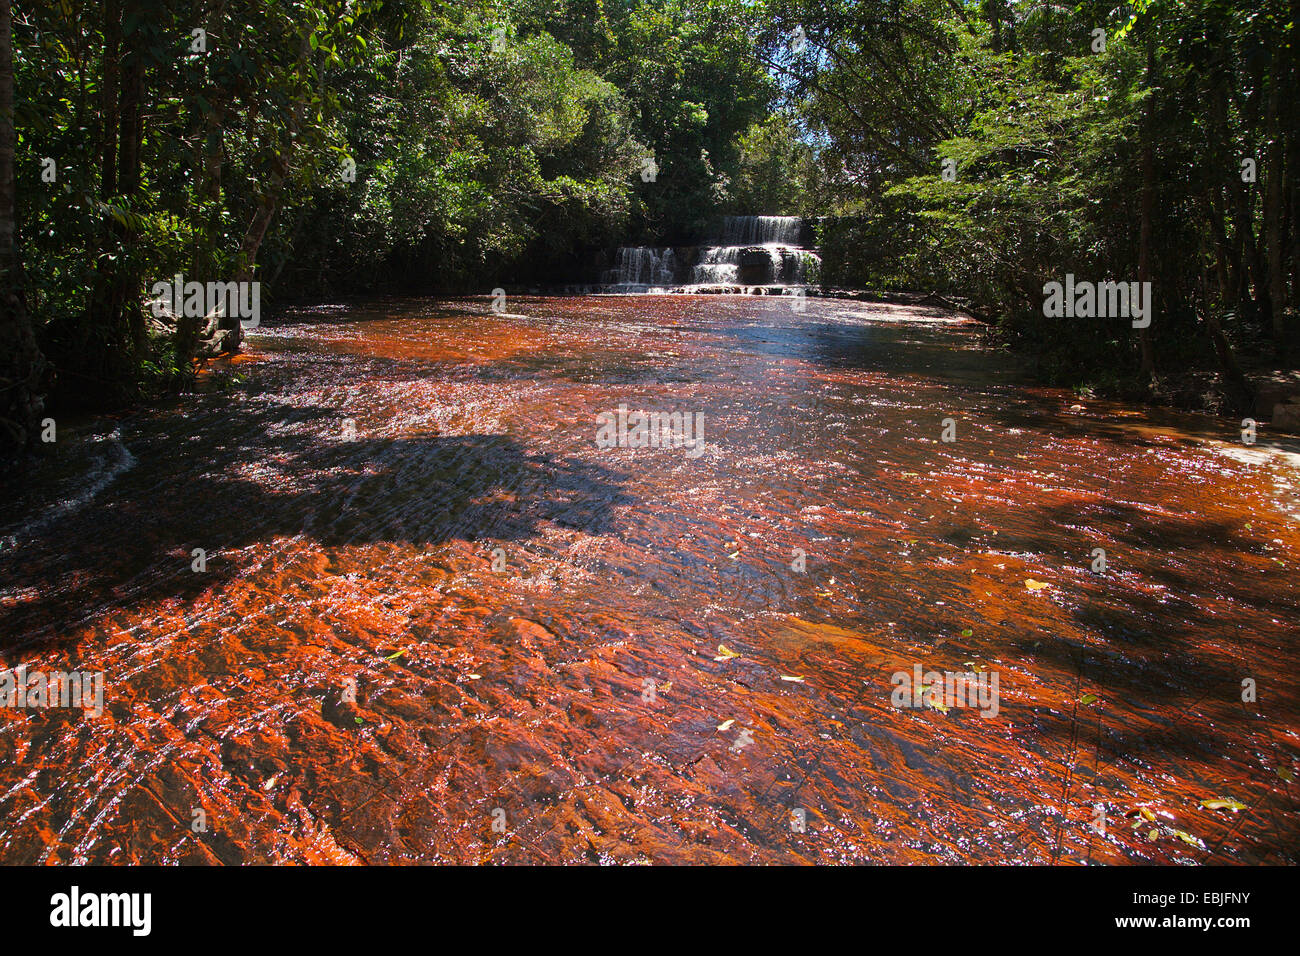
[1271, 393]
[1286, 417]
[755, 267]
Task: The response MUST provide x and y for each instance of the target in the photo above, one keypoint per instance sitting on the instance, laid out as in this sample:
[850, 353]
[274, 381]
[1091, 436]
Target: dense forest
[977, 150]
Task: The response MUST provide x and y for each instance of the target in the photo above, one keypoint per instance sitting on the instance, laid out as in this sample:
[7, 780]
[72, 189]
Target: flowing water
[755, 252]
[434, 621]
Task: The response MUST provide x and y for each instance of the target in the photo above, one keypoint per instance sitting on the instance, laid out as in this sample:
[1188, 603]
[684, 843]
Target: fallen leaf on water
[665, 687]
[393, 657]
[734, 555]
[1089, 699]
[933, 699]
[1188, 838]
[1286, 774]
[271, 782]
[1232, 805]
[793, 680]
[967, 632]
[725, 653]
[1035, 585]
[725, 724]
[1153, 835]
[475, 676]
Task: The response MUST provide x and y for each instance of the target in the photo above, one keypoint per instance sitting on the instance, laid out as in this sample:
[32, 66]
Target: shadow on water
[247, 473]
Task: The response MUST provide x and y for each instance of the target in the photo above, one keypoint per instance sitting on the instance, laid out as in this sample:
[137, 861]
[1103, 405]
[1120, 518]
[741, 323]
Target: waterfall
[637, 266]
[760, 231]
[752, 253]
[717, 265]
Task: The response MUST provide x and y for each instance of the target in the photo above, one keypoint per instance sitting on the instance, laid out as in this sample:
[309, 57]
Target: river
[434, 621]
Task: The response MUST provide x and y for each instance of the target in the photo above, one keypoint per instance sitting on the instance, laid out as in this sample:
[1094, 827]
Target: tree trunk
[22, 367]
[103, 357]
[108, 97]
[1274, 171]
[1146, 206]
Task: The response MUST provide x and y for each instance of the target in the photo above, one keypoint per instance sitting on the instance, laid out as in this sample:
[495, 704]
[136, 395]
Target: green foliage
[1059, 152]
[489, 142]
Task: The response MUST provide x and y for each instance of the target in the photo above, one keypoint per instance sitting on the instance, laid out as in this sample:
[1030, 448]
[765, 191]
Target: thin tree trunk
[1273, 180]
[1146, 206]
[109, 91]
[22, 367]
[131, 139]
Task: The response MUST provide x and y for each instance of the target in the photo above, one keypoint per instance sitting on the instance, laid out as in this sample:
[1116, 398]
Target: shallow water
[350, 488]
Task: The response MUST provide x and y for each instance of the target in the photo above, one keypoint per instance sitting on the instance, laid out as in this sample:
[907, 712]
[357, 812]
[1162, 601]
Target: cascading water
[760, 230]
[717, 264]
[754, 253]
[641, 268]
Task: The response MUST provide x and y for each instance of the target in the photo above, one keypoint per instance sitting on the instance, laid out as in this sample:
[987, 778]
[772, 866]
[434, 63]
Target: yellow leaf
[793, 680]
[475, 676]
[665, 687]
[393, 657]
[725, 724]
[725, 654]
[1232, 805]
[1035, 585]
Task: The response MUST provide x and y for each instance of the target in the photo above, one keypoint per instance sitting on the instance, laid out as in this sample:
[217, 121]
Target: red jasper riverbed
[350, 478]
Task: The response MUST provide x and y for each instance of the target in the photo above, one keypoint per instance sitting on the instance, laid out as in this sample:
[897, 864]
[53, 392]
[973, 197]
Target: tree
[22, 366]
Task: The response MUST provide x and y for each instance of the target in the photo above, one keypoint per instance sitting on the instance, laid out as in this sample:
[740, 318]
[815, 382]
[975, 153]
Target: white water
[760, 231]
[643, 267]
[742, 240]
